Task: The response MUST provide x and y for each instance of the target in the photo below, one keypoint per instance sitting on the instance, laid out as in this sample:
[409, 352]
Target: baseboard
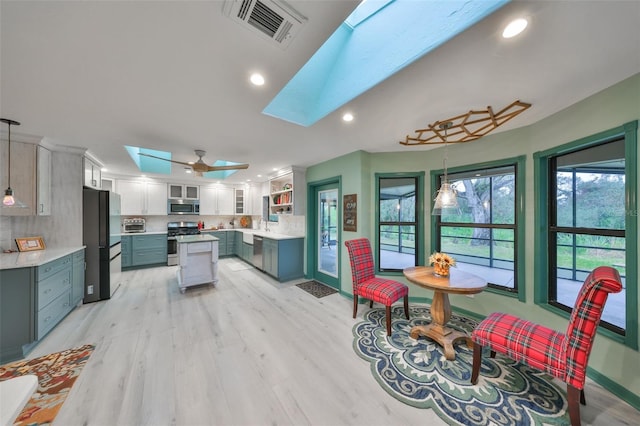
[615, 388]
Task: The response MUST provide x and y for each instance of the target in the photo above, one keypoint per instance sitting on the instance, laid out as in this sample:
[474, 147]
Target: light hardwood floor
[249, 351]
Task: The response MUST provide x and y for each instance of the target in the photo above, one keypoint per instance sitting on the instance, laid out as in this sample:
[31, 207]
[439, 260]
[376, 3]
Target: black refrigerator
[101, 237]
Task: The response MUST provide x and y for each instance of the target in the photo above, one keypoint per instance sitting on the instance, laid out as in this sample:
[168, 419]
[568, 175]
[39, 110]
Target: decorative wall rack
[466, 127]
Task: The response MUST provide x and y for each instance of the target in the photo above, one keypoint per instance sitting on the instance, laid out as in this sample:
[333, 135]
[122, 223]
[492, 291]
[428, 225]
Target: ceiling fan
[200, 167]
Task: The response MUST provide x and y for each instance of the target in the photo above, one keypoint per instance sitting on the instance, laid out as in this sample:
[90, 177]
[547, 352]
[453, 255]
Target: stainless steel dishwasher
[257, 252]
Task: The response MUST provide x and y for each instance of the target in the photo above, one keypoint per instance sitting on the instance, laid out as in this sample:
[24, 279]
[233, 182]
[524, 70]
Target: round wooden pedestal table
[458, 282]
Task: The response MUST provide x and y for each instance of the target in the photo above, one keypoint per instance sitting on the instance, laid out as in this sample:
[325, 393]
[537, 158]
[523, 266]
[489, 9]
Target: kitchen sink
[247, 237]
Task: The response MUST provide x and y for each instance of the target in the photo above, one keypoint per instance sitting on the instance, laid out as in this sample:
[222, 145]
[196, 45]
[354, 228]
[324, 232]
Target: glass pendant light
[446, 198]
[9, 201]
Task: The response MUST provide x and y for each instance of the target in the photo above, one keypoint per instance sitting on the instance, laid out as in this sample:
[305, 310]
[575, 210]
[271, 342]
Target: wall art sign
[350, 213]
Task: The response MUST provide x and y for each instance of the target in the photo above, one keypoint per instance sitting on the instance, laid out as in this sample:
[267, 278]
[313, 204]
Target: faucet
[266, 226]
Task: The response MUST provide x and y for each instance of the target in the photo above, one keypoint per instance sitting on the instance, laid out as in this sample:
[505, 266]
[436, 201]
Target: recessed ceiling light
[256, 79]
[188, 170]
[259, 175]
[347, 117]
[104, 169]
[514, 28]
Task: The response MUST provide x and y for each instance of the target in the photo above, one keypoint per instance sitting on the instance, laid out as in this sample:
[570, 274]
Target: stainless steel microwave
[183, 206]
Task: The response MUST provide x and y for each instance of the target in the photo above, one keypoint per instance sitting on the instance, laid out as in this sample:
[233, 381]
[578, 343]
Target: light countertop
[259, 232]
[195, 238]
[127, 234]
[30, 259]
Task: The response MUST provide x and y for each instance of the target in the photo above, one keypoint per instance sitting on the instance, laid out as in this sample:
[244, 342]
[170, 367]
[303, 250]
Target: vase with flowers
[441, 263]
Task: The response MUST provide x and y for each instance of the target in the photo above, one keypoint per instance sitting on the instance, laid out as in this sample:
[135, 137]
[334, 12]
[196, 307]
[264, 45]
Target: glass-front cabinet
[184, 192]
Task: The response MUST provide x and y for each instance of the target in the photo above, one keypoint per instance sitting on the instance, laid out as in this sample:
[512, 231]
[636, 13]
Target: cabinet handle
[41, 208]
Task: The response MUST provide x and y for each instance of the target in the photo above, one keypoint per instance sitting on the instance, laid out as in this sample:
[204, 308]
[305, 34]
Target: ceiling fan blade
[232, 167]
[164, 159]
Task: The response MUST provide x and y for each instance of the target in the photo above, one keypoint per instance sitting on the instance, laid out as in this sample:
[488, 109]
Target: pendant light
[9, 200]
[446, 199]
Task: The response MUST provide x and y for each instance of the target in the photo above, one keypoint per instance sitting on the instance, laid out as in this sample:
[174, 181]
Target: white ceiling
[173, 76]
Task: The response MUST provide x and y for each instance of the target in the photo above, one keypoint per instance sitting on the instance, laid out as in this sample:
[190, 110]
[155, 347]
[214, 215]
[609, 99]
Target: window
[586, 206]
[483, 235]
[399, 213]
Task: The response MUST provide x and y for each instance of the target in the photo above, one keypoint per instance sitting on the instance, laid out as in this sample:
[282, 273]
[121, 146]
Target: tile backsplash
[289, 225]
[60, 229]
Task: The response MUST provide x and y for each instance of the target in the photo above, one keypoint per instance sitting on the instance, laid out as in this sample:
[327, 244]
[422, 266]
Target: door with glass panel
[327, 247]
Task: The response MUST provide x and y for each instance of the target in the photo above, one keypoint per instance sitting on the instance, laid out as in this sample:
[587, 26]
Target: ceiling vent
[274, 20]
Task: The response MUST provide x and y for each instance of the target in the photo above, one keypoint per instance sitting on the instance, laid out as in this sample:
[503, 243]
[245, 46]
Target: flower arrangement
[441, 263]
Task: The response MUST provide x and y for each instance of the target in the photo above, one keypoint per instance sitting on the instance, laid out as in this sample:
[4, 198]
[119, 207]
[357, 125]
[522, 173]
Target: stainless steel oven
[173, 230]
[172, 251]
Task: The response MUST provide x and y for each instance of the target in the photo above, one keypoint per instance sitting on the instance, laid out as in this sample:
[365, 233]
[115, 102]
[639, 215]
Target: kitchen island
[198, 256]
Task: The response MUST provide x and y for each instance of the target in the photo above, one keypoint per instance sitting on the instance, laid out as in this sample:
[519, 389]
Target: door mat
[235, 267]
[316, 288]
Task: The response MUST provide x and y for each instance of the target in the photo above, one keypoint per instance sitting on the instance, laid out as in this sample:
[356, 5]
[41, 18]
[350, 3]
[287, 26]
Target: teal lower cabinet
[283, 259]
[247, 252]
[222, 242]
[145, 250]
[53, 293]
[34, 300]
[125, 254]
[231, 243]
[17, 312]
[77, 281]
[237, 243]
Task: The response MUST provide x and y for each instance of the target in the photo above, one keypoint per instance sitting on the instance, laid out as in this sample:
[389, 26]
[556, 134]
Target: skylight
[147, 164]
[378, 39]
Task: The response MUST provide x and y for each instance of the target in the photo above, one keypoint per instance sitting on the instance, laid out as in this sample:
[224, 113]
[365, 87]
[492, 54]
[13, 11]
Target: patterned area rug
[417, 373]
[317, 289]
[56, 374]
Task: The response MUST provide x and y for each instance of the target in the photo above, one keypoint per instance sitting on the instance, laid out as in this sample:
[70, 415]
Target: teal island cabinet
[198, 260]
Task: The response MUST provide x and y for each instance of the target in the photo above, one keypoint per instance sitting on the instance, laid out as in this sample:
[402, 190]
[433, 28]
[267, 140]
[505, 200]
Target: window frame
[419, 223]
[542, 272]
[519, 164]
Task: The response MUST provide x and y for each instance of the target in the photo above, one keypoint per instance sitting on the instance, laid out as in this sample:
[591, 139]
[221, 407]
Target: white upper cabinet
[183, 192]
[287, 193]
[44, 181]
[156, 198]
[30, 177]
[132, 197]
[142, 198]
[217, 200]
[92, 174]
[241, 201]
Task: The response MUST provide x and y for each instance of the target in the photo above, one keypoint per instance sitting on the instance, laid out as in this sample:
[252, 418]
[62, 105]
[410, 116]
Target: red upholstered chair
[562, 355]
[366, 284]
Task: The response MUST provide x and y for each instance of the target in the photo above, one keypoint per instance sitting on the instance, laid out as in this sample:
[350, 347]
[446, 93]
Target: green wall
[612, 364]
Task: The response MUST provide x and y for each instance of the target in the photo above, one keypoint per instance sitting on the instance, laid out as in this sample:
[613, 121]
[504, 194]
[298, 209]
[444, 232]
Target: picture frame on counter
[30, 244]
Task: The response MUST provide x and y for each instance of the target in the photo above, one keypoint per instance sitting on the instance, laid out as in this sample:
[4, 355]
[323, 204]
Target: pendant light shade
[446, 198]
[9, 200]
